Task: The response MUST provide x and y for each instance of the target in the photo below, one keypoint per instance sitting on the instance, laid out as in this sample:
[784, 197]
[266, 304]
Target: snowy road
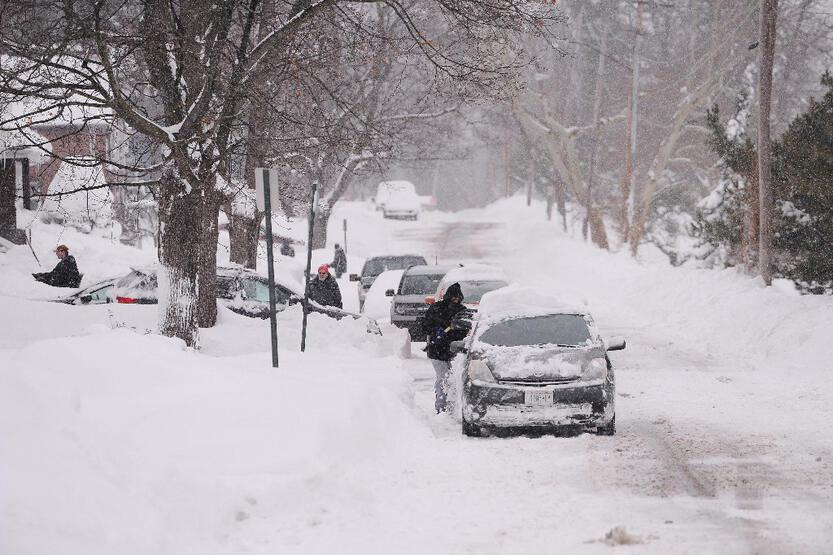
[723, 405]
[685, 473]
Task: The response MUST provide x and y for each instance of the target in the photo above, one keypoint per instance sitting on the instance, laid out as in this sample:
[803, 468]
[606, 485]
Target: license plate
[538, 397]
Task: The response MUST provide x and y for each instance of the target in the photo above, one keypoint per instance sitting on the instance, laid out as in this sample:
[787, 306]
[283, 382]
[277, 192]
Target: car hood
[540, 363]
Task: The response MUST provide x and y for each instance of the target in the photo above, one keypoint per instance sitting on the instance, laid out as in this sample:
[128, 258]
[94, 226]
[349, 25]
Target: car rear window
[419, 284]
[553, 329]
[473, 291]
[137, 284]
[376, 266]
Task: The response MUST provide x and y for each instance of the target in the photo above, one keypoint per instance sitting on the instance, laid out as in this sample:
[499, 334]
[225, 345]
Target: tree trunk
[244, 237]
[598, 234]
[207, 279]
[179, 249]
[125, 216]
[319, 230]
[769, 12]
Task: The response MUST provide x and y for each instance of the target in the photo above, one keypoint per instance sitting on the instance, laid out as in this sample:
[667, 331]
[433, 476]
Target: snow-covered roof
[475, 272]
[519, 301]
[431, 269]
[23, 143]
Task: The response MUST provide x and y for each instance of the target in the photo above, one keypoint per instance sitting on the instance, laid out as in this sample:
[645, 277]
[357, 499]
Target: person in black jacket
[339, 262]
[65, 273]
[323, 289]
[437, 326]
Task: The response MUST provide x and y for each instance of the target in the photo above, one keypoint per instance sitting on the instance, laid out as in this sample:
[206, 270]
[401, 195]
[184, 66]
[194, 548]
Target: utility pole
[313, 200]
[769, 13]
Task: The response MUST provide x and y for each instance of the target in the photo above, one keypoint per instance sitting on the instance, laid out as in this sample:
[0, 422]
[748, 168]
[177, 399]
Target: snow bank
[376, 304]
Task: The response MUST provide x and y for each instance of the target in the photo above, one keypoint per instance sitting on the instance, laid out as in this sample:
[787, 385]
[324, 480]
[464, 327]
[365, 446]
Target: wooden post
[769, 13]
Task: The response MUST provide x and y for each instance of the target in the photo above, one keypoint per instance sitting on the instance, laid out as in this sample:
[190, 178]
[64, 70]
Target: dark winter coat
[325, 292]
[65, 274]
[339, 263]
[438, 317]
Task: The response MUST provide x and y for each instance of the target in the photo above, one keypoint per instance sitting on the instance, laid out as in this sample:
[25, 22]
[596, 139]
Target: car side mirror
[354, 277]
[615, 344]
[457, 347]
[390, 293]
[85, 299]
[429, 299]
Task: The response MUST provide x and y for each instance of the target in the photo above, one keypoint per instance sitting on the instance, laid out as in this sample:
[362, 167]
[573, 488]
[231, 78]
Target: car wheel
[470, 429]
[608, 429]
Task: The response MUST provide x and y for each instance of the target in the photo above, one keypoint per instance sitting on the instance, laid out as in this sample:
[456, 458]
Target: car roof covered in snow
[475, 272]
[430, 269]
[517, 301]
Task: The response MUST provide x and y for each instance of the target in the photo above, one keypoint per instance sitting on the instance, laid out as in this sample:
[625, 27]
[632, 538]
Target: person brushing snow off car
[65, 273]
[323, 289]
[437, 325]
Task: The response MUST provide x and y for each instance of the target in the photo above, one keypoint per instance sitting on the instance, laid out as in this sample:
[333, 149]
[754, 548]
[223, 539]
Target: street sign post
[345, 234]
[313, 201]
[266, 184]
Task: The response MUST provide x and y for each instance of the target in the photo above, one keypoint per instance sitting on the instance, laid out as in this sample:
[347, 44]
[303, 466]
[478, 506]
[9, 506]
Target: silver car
[537, 368]
[375, 265]
[409, 303]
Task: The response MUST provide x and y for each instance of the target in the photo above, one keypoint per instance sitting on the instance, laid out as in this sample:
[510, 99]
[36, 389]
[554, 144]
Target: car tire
[608, 429]
[471, 430]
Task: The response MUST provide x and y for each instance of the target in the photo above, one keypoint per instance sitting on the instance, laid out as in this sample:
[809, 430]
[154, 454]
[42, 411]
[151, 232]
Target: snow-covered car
[375, 265]
[403, 205]
[408, 304]
[241, 290]
[386, 188]
[532, 361]
[475, 280]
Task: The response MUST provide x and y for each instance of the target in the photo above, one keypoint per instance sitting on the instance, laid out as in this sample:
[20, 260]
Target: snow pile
[377, 304]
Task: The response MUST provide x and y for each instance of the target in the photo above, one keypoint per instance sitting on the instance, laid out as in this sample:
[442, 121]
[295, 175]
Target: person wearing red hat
[65, 274]
[323, 289]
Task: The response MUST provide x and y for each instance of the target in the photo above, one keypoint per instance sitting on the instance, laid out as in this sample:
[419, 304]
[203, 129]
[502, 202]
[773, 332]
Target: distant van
[386, 189]
[398, 199]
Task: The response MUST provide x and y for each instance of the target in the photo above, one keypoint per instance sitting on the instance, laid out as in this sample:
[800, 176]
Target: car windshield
[376, 266]
[419, 284]
[473, 291]
[554, 329]
[226, 288]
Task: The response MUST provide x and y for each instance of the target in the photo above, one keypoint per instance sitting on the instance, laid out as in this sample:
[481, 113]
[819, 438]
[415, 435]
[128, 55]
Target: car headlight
[479, 370]
[400, 309]
[596, 370]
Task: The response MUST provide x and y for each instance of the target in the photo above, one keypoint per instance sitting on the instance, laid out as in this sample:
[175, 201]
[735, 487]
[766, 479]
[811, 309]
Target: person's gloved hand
[439, 334]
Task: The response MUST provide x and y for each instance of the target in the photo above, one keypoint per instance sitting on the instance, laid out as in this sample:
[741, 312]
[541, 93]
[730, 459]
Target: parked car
[385, 188]
[403, 205]
[375, 265]
[475, 280]
[535, 362]
[408, 303]
[241, 290]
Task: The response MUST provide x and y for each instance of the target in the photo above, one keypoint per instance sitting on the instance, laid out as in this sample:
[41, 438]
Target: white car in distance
[398, 199]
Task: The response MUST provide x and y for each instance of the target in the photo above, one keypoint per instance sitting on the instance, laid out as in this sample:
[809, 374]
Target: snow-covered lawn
[115, 440]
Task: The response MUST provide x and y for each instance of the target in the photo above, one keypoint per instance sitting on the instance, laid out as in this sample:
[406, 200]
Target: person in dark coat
[323, 289]
[65, 273]
[339, 262]
[437, 326]
[286, 249]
